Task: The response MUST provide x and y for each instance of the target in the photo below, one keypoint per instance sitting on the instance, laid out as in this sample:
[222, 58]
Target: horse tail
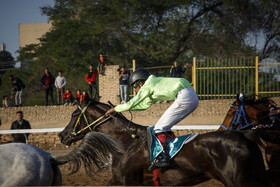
[95, 153]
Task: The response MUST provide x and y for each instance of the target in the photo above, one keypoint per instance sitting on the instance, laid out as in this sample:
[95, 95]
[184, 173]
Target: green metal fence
[223, 78]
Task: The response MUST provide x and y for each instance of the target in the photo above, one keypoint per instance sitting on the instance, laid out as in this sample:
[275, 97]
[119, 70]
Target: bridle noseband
[240, 114]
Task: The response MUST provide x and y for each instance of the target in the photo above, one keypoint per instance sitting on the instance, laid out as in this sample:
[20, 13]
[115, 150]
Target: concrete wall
[109, 85]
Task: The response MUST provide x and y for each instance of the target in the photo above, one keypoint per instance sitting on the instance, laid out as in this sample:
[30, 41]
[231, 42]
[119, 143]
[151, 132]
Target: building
[31, 32]
[2, 47]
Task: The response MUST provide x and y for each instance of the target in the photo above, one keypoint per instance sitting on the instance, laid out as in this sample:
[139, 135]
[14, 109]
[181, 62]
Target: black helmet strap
[136, 84]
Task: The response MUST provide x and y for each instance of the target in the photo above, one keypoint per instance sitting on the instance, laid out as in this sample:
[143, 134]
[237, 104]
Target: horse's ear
[96, 98]
[237, 102]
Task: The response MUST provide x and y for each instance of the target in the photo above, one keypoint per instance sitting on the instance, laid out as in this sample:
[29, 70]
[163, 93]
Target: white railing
[178, 127]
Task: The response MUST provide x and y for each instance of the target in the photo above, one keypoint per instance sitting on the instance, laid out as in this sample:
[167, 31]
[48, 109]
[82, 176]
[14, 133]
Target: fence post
[194, 74]
[257, 76]
[133, 65]
[133, 69]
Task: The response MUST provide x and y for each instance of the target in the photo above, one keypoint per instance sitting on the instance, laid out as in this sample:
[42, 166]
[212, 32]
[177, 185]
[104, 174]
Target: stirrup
[162, 163]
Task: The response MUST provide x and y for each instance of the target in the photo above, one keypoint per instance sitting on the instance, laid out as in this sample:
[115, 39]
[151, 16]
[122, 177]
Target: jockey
[151, 89]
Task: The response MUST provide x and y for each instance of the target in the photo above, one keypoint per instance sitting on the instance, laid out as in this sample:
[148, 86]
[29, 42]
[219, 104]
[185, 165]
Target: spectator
[101, 63]
[78, 97]
[20, 123]
[68, 96]
[60, 83]
[124, 76]
[47, 81]
[85, 94]
[17, 90]
[6, 102]
[91, 79]
[176, 70]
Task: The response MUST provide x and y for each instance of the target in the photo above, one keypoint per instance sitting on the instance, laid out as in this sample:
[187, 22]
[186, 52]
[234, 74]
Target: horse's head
[247, 112]
[83, 120]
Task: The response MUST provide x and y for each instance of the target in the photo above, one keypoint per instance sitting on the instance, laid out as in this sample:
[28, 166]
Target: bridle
[240, 114]
[95, 123]
[92, 126]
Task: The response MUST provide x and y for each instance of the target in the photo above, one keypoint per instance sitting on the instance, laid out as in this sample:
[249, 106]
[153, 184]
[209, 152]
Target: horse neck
[120, 128]
[118, 131]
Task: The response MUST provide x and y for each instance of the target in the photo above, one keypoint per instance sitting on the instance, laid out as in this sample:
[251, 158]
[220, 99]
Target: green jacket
[155, 89]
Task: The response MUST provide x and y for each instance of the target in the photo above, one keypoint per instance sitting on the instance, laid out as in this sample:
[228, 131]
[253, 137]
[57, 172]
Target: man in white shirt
[60, 83]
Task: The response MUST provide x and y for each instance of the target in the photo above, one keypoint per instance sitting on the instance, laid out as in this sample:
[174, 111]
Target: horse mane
[254, 100]
[94, 153]
[106, 107]
[123, 123]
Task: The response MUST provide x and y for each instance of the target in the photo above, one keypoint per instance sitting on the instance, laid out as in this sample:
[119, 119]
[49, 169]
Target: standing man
[20, 123]
[47, 81]
[91, 80]
[123, 77]
[176, 70]
[60, 83]
[17, 90]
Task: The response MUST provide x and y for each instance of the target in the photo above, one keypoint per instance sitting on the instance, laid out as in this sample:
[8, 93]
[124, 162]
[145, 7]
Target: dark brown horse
[249, 112]
[227, 156]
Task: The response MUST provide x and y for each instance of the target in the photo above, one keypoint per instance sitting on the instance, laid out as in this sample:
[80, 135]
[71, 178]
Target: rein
[96, 124]
[240, 113]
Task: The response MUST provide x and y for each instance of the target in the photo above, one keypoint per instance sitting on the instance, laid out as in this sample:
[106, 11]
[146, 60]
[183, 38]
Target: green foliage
[6, 56]
[153, 32]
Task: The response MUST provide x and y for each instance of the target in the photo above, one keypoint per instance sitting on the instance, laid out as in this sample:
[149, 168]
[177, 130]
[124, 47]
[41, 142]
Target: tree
[6, 60]
[153, 32]
[6, 56]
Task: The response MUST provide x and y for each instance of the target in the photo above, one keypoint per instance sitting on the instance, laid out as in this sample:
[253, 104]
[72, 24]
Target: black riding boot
[164, 160]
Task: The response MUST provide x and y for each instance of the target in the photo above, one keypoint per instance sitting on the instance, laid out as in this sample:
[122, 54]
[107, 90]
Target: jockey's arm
[140, 102]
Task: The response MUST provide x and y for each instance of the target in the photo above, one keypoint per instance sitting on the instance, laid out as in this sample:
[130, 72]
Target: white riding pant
[185, 103]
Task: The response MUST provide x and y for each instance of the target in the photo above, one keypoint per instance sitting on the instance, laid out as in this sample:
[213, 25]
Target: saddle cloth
[174, 145]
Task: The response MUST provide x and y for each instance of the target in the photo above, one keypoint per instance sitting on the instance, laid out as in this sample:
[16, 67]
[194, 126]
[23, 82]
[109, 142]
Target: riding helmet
[138, 75]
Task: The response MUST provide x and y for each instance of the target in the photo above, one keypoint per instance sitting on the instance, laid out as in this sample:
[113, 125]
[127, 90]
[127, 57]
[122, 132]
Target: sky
[15, 12]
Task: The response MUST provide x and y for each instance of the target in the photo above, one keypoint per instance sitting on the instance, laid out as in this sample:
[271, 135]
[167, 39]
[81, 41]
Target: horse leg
[57, 178]
[130, 168]
[274, 165]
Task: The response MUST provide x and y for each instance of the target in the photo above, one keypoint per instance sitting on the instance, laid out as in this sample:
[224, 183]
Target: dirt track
[82, 179]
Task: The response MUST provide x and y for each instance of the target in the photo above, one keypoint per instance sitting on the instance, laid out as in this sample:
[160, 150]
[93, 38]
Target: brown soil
[101, 179]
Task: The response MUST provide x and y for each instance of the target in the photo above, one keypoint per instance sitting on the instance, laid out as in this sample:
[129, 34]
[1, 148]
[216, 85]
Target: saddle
[175, 145]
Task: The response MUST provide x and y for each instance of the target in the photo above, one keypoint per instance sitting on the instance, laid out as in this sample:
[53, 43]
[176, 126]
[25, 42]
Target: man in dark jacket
[17, 90]
[47, 81]
[176, 70]
[20, 123]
